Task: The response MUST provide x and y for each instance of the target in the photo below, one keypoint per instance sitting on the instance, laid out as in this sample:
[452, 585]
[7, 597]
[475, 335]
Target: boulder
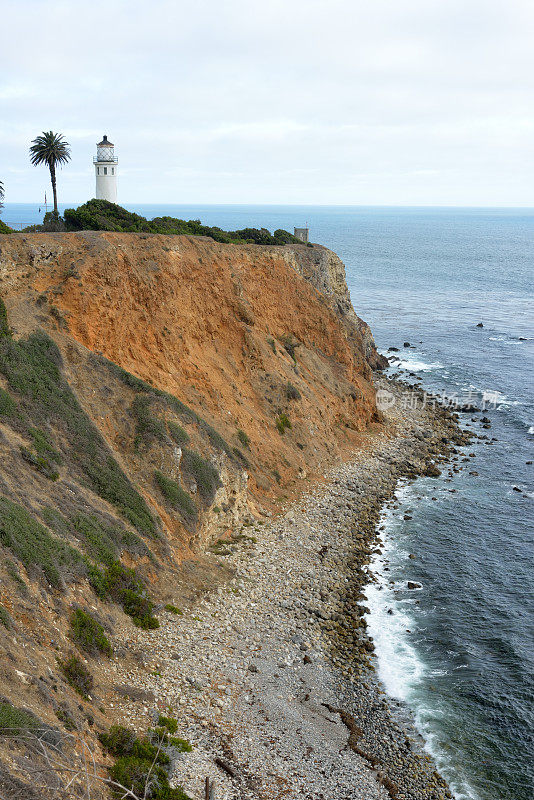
[431, 471]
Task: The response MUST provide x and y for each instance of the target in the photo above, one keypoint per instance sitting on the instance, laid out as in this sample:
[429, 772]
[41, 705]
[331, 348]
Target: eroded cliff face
[227, 329]
[155, 393]
[326, 272]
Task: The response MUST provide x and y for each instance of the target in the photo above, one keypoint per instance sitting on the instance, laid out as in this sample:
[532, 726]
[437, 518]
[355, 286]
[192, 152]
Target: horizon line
[286, 205]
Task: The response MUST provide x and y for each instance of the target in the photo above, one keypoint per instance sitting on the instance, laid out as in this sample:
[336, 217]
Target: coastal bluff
[159, 395]
[247, 336]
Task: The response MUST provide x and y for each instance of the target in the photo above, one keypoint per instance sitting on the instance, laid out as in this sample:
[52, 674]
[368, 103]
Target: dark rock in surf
[431, 471]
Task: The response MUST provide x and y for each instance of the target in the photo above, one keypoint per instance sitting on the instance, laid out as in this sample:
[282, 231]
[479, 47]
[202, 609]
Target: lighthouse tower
[106, 171]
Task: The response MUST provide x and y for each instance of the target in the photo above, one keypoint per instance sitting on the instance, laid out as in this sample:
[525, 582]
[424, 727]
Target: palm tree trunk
[54, 190]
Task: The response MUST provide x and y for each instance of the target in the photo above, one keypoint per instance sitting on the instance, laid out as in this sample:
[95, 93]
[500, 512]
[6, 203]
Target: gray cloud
[342, 101]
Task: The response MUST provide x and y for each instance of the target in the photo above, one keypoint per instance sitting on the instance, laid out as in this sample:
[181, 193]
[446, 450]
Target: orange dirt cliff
[156, 392]
[231, 330]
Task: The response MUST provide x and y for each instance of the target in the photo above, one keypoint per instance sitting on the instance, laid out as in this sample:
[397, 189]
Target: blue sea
[460, 651]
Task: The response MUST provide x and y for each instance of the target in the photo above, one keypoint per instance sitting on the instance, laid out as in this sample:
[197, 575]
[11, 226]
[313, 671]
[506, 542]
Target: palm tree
[1, 195]
[51, 149]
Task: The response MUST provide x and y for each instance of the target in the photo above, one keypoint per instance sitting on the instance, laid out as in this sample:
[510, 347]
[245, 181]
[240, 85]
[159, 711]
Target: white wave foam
[418, 366]
[399, 666]
[424, 720]
[531, 430]
[490, 398]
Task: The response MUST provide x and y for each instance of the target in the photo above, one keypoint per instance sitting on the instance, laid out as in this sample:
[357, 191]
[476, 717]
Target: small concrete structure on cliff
[106, 171]
[303, 234]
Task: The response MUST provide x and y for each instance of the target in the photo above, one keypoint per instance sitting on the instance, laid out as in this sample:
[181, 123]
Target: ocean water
[459, 652]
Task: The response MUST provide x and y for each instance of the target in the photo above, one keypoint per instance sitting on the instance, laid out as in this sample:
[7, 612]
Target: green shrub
[33, 370]
[35, 547]
[4, 228]
[5, 330]
[290, 345]
[5, 618]
[88, 634]
[180, 744]
[122, 585]
[165, 739]
[292, 393]
[66, 719]
[139, 608]
[283, 422]
[44, 454]
[77, 675]
[243, 437]
[13, 572]
[139, 758]
[173, 609]
[178, 434]
[132, 381]
[40, 463]
[202, 472]
[177, 497]
[101, 215]
[284, 237]
[170, 490]
[170, 724]
[102, 542]
[43, 445]
[14, 721]
[277, 476]
[118, 741]
[106, 542]
[133, 773]
[7, 404]
[272, 344]
[98, 542]
[147, 426]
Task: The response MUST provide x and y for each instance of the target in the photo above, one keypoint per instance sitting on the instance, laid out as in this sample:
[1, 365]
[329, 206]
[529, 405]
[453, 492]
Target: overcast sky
[401, 102]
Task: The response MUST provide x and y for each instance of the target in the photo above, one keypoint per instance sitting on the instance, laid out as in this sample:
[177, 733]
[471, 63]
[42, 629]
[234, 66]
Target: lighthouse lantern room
[106, 171]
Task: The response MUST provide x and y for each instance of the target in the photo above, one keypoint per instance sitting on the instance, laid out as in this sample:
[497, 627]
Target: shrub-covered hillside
[101, 215]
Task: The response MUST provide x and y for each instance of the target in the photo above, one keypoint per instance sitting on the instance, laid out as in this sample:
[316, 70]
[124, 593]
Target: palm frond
[49, 148]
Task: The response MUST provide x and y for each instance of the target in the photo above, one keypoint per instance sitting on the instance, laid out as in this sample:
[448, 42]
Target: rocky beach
[271, 675]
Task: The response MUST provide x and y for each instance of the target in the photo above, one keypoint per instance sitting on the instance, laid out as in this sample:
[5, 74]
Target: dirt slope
[208, 322]
[156, 392]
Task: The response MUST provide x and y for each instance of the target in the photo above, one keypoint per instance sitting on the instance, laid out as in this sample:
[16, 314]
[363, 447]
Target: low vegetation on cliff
[101, 215]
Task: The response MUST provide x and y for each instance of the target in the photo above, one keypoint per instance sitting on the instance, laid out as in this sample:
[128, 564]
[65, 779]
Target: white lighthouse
[106, 171]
